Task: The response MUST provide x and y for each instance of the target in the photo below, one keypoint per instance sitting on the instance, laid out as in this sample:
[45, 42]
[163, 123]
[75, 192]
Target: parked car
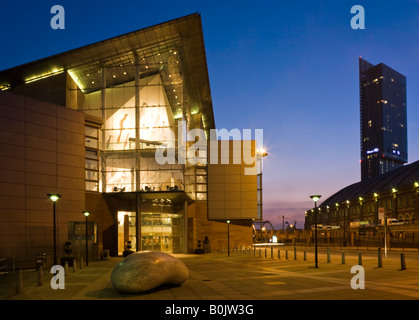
[392, 222]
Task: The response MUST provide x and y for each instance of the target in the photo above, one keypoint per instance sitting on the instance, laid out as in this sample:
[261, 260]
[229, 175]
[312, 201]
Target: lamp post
[228, 237]
[86, 214]
[344, 221]
[54, 198]
[376, 209]
[394, 192]
[260, 154]
[315, 198]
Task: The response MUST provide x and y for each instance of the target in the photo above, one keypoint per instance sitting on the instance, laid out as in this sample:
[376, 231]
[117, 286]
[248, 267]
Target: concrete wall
[199, 227]
[41, 151]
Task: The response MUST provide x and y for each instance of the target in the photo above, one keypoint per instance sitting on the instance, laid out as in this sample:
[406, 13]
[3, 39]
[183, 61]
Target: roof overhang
[174, 49]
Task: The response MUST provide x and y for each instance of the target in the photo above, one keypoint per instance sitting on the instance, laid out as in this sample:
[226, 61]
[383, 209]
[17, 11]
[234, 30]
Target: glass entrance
[162, 225]
[127, 231]
[161, 232]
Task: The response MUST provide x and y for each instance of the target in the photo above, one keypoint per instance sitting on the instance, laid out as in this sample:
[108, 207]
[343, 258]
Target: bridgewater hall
[80, 131]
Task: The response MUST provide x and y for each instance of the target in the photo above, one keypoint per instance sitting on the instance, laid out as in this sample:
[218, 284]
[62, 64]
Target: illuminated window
[92, 158]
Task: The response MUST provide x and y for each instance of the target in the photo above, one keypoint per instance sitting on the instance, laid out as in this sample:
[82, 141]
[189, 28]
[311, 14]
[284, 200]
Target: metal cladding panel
[232, 194]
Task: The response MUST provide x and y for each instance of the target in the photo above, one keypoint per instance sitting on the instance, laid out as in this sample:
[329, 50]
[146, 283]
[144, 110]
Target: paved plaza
[244, 276]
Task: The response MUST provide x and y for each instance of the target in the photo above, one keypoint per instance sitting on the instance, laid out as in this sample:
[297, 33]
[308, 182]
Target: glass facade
[145, 102]
[92, 158]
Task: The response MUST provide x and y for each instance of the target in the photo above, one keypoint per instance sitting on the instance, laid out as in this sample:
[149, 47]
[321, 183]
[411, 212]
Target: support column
[126, 231]
[137, 123]
[185, 227]
[103, 109]
[138, 221]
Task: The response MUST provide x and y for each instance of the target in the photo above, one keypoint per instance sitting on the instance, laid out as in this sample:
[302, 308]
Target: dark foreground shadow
[109, 293]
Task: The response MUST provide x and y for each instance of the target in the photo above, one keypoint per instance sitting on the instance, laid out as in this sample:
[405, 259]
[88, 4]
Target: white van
[392, 222]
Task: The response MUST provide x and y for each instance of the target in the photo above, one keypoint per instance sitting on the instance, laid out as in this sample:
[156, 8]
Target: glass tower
[383, 119]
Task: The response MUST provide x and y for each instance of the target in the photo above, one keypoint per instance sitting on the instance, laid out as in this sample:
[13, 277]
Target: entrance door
[161, 232]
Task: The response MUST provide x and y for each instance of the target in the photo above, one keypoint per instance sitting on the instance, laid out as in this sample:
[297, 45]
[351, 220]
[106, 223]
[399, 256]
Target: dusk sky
[287, 67]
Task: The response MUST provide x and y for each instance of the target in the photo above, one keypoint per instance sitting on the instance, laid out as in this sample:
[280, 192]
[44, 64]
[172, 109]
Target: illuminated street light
[86, 214]
[54, 198]
[315, 198]
[260, 154]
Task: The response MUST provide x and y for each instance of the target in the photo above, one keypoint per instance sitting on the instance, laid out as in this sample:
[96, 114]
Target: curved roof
[400, 177]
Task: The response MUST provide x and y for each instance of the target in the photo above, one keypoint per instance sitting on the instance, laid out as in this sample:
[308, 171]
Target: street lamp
[86, 214]
[260, 154]
[344, 221]
[315, 198]
[376, 209]
[228, 237]
[54, 198]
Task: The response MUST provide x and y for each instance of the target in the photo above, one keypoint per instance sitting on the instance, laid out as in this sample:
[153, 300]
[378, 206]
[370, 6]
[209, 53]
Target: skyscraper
[383, 119]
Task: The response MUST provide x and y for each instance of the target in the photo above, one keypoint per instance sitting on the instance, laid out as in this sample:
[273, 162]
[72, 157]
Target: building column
[103, 110]
[138, 221]
[137, 122]
[185, 227]
[126, 231]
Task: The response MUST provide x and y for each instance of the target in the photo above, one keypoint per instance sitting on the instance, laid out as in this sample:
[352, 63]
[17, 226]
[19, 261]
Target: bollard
[75, 265]
[295, 253]
[272, 252]
[19, 281]
[343, 257]
[360, 258]
[279, 254]
[380, 258]
[266, 253]
[402, 261]
[328, 255]
[286, 254]
[66, 268]
[305, 255]
[40, 276]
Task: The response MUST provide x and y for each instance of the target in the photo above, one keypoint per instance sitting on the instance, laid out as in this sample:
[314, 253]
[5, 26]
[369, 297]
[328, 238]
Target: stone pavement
[240, 276]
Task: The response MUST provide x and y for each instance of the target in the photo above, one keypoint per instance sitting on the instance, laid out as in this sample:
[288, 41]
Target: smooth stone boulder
[145, 270]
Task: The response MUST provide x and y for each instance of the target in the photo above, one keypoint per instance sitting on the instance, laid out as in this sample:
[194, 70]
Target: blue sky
[287, 67]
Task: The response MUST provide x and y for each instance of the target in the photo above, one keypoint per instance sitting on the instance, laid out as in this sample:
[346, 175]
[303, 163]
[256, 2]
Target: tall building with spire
[383, 119]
